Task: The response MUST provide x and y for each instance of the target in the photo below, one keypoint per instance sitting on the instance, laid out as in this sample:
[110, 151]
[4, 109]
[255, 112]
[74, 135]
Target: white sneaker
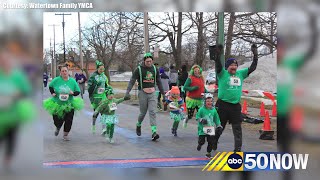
[104, 131]
[185, 122]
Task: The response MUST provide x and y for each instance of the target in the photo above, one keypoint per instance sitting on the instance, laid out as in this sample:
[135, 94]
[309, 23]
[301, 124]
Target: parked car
[211, 78]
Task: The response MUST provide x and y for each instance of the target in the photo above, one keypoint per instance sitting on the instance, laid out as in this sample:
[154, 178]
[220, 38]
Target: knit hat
[147, 55]
[161, 70]
[98, 64]
[175, 90]
[230, 61]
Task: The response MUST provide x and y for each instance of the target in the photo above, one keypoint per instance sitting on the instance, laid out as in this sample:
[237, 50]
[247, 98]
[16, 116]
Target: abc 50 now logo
[256, 161]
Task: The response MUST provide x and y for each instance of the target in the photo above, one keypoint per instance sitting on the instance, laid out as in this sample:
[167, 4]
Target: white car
[211, 78]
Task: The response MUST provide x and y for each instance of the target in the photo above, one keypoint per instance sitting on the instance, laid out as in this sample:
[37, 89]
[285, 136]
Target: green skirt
[177, 117]
[57, 109]
[192, 103]
[109, 119]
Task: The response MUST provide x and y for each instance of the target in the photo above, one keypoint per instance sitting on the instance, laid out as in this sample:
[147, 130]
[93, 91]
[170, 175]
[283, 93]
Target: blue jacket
[80, 76]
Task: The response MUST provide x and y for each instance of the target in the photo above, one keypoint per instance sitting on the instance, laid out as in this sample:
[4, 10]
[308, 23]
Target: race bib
[235, 81]
[44, 80]
[209, 130]
[64, 97]
[100, 90]
[113, 106]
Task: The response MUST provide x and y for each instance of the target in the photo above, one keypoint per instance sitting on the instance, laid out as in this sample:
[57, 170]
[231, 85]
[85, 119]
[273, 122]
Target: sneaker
[172, 131]
[56, 133]
[66, 138]
[111, 141]
[185, 122]
[138, 130]
[93, 129]
[104, 132]
[198, 147]
[208, 155]
[155, 136]
[175, 132]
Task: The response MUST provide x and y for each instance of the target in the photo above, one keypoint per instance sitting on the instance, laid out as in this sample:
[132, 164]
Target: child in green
[207, 118]
[107, 109]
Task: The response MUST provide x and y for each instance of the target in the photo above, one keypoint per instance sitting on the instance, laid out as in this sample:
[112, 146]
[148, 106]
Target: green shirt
[230, 86]
[97, 81]
[285, 79]
[61, 86]
[105, 105]
[211, 115]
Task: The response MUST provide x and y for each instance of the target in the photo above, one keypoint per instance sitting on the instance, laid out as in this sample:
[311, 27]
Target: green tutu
[192, 103]
[109, 119]
[54, 108]
[177, 117]
[22, 112]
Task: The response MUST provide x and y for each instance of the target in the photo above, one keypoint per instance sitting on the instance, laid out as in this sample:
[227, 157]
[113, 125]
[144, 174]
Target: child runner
[107, 109]
[176, 111]
[208, 118]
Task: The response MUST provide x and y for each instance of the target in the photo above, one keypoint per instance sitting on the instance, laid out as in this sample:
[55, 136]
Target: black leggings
[10, 139]
[202, 140]
[232, 113]
[66, 120]
[191, 111]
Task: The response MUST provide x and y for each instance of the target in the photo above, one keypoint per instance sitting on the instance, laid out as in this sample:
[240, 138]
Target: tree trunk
[179, 41]
[229, 35]
[200, 43]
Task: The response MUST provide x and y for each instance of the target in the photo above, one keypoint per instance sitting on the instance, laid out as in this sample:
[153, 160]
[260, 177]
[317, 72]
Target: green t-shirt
[97, 84]
[285, 82]
[230, 86]
[211, 115]
[62, 87]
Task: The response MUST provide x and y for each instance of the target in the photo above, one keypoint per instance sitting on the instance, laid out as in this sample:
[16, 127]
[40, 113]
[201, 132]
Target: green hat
[147, 55]
[98, 64]
[109, 91]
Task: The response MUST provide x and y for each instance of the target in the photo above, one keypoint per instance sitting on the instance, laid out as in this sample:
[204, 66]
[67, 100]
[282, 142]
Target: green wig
[192, 70]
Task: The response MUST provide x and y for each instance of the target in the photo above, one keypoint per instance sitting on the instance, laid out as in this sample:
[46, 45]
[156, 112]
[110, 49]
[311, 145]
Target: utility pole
[54, 63]
[146, 32]
[80, 42]
[64, 44]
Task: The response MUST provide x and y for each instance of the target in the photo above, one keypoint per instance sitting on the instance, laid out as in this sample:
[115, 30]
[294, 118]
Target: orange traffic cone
[244, 107]
[266, 123]
[262, 110]
[266, 133]
[296, 119]
[274, 109]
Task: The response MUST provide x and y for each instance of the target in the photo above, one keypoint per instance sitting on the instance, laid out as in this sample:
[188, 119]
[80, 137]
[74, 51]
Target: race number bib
[235, 81]
[113, 106]
[100, 90]
[209, 130]
[64, 97]
[45, 80]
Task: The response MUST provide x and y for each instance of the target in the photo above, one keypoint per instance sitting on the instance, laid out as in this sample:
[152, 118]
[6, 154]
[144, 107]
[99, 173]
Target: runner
[148, 77]
[62, 104]
[107, 109]
[229, 94]
[97, 85]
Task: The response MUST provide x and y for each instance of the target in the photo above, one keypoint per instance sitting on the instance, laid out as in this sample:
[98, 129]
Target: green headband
[193, 67]
[147, 55]
[98, 64]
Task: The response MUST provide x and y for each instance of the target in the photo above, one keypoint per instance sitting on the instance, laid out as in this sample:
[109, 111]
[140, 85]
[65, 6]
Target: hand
[71, 92]
[219, 130]
[203, 121]
[127, 96]
[54, 94]
[254, 49]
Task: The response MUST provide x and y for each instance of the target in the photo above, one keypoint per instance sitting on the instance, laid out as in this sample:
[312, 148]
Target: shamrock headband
[109, 91]
[147, 55]
[193, 67]
[98, 64]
